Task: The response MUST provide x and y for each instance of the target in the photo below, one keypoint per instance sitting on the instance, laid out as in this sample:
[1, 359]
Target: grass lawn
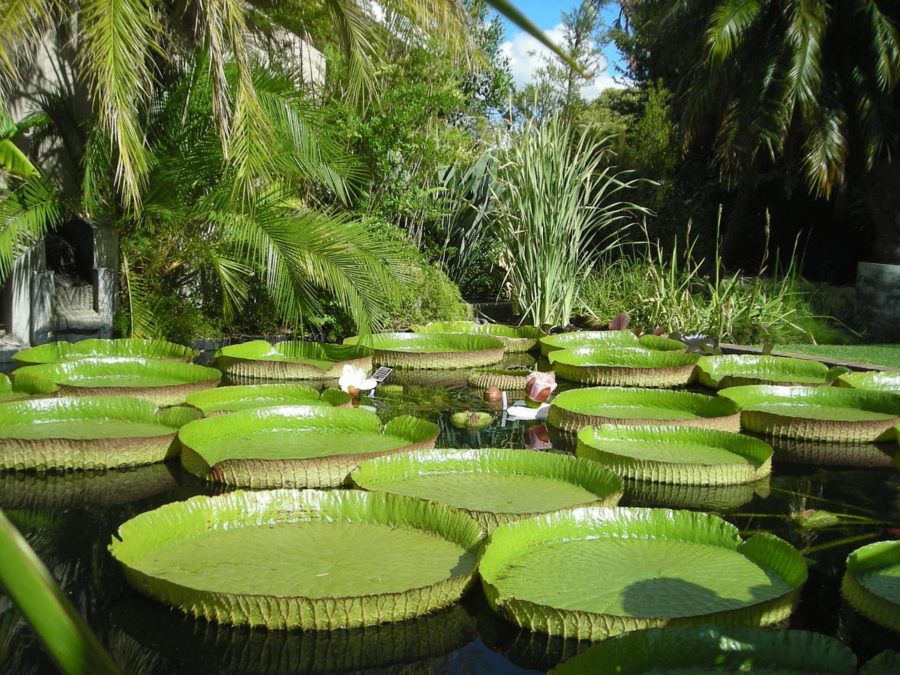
[879, 355]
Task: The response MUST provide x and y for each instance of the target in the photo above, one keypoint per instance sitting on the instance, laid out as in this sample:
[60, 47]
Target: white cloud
[526, 54]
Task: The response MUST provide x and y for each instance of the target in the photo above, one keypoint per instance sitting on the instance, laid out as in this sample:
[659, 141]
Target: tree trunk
[882, 201]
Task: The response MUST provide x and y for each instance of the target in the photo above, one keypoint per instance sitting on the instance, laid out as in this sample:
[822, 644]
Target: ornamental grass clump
[556, 209]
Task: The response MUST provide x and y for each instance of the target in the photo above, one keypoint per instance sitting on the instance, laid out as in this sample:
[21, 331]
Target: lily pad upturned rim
[7, 393]
[200, 443]
[704, 646]
[507, 541]
[729, 370]
[290, 359]
[431, 350]
[62, 452]
[757, 452]
[872, 380]
[56, 352]
[228, 399]
[604, 484]
[754, 400]
[511, 379]
[576, 408]
[874, 606]
[617, 367]
[148, 532]
[516, 338]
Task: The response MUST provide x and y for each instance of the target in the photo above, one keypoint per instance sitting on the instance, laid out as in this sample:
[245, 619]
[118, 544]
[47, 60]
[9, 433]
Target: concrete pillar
[42, 286]
[105, 283]
[878, 300]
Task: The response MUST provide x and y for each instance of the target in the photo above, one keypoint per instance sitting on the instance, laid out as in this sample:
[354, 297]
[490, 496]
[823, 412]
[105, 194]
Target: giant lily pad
[86, 433]
[493, 486]
[290, 360]
[6, 390]
[874, 380]
[695, 649]
[301, 559]
[871, 583]
[731, 370]
[442, 350]
[613, 367]
[295, 446]
[230, 399]
[516, 338]
[683, 455]
[588, 338]
[571, 410]
[56, 352]
[632, 568]
[160, 382]
[832, 414]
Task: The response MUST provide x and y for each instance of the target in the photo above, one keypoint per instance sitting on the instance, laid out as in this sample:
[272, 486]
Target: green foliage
[555, 209]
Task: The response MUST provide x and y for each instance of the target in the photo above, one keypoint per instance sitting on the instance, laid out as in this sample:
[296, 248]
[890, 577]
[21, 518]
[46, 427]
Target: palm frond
[142, 316]
[806, 31]
[26, 215]
[360, 38]
[728, 25]
[21, 24]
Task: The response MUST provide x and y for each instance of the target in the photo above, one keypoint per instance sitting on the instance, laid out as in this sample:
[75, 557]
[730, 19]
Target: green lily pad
[611, 367]
[660, 343]
[884, 663]
[440, 350]
[516, 338]
[56, 352]
[504, 379]
[833, 414]
[6, 390]
[667, 454]
[716, 498]
[493, 486]
[157, 381]
[295, 446]
[231, 399]
[871, 583]
[290, 360]
[577, 408]
[588, 338]
[86, 433]
[83, 489]
[632, 568]
[872, 380]
[301, 559]
[695, 649]
[732, 370]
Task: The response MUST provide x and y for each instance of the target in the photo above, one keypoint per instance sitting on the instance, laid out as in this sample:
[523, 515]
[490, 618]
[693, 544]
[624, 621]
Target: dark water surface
[69, 520]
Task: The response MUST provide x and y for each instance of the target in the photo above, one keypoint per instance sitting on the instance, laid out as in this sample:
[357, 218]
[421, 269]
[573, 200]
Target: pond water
[69, 519]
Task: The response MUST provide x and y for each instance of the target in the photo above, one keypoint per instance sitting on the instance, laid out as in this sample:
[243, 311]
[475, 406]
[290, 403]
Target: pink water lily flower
[539, 386]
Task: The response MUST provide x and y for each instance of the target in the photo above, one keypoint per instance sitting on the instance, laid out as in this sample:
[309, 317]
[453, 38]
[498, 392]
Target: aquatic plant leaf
[493, 486]
[6, 390]
[833, 414]
[290, 360]
[884, 663]
[588, 338]
[296, 445]
[86, 432]
[657, 566]
[158, 381]
[871, 582]
[732, 370]
[874, 380]
[431, 350]
[612, 367]
[714, 648]
[576, 408]
[245, 397]
[336, 559]
[56, 352]
[671, 454]
[509, 379]
[515, 338]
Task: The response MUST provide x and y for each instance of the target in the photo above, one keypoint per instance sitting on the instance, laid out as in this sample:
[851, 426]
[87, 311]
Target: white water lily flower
[354, 380]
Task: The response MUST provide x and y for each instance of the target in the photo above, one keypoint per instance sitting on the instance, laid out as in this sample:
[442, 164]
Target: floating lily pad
[493, 486]
[86, 433]
[301, 559]
[871, 583]
[231, 399]
[873, 380]
[694, 649]
[57, 352]
[613, 367]
[516, 338]
[717, 498]
[833, 414]
[6, 390]
[441, 350]
[83, 489]
[631, 568]
[504, 379]
[160, 382]
[295, 446]
[667, 454]
[571, 410]
[290, 360]
[588, 338]
[731, 370]
[820, 453]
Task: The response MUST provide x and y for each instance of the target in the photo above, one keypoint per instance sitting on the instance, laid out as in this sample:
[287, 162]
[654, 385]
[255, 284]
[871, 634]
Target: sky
[547, 14]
